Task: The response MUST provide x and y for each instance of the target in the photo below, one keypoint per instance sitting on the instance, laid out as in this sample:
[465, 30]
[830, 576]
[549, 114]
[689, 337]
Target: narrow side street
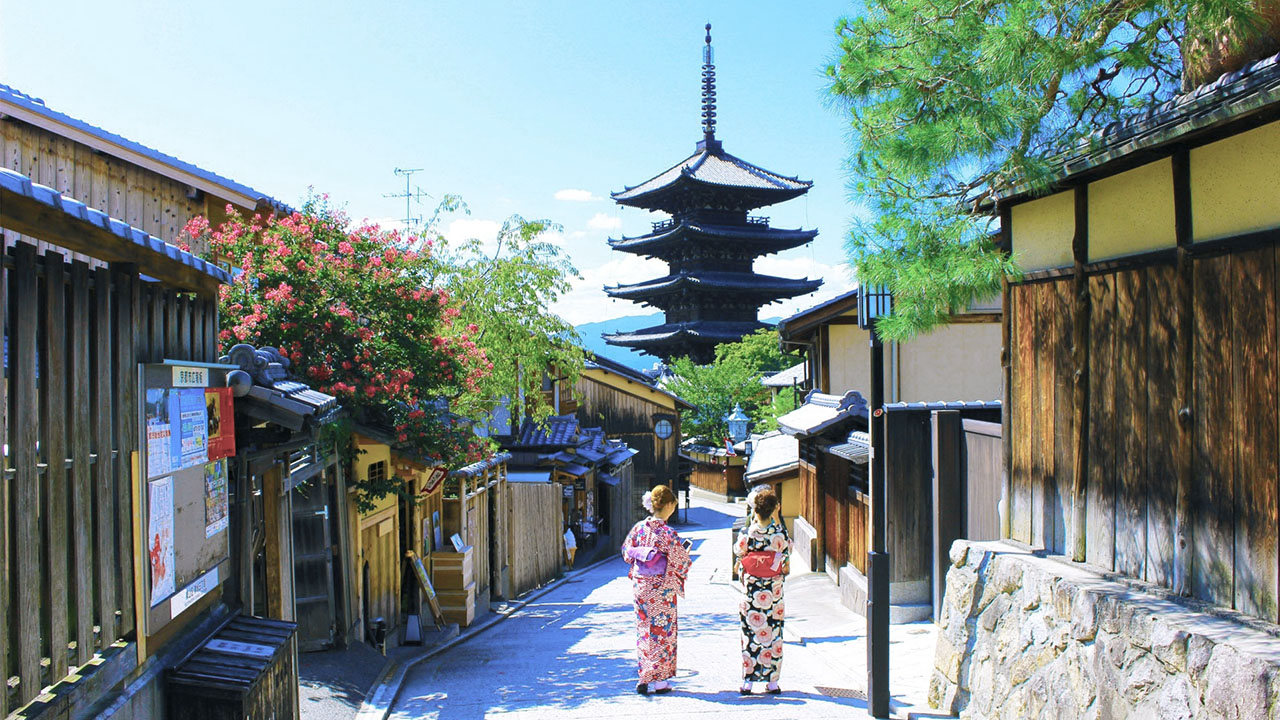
[571, 651]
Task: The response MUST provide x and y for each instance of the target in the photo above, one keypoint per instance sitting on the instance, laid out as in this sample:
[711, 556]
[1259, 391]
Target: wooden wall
[74, 338]
[142, 198]
[630, 418]
[1146, 334]
[536, 532]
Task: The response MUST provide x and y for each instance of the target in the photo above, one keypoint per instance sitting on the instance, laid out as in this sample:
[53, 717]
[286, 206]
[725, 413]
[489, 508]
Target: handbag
[762, 563]
[648, 561]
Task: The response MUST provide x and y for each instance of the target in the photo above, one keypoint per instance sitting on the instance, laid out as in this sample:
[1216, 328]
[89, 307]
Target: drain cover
[840, 692]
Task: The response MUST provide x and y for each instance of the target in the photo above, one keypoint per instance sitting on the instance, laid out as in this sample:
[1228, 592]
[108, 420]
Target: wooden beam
[1080, 377]
[1006, 356]
[271, 491]
[26, 482]
[31, 217]
[948, 493]
[53, 431]
[1184, 450]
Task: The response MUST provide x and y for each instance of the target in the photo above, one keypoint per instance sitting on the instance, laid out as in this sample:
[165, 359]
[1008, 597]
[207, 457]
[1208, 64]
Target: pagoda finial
[708, 90]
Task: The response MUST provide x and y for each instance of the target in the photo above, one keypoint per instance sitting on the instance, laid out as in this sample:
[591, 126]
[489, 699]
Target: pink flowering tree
[399, 328]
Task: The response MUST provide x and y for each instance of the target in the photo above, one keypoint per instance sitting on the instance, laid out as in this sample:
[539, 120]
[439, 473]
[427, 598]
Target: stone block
[1084, 617]
[959, 553]
[1169, 645]
[1143, 674]
[1236, 686]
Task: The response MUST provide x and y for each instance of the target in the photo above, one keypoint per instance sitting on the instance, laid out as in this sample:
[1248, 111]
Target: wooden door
[314, 603]
[834, 476]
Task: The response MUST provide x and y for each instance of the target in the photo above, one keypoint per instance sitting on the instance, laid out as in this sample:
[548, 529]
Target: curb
[386, 688]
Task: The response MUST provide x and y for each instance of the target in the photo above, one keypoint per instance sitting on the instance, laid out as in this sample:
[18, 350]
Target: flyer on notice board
[215, 498]
[221, 423]
[160, 538]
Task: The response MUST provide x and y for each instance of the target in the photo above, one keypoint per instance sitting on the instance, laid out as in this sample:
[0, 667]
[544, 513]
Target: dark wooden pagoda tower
[711, 295]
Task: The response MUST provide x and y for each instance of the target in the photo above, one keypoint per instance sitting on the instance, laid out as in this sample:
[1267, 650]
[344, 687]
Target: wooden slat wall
[536, 516]
[859, 515]
[66, 552]
[1135, 367]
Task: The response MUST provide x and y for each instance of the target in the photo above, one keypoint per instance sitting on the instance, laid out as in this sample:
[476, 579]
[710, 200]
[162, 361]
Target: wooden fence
[1180, 390]
[968, 486]
[536, 532]
[73, 338]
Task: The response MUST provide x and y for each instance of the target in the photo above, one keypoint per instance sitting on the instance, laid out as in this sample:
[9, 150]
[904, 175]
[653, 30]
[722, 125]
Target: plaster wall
[954, 362]
[1233, 184]
[1132, 212]
[850, 360]
[1042, 231]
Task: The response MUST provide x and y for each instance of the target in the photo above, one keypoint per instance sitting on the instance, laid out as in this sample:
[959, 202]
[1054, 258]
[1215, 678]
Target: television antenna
[412, 194]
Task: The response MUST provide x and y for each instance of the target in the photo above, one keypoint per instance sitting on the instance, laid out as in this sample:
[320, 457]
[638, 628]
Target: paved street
[570, 653]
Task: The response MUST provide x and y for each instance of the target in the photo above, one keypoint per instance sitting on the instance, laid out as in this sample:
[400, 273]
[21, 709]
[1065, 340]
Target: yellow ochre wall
[850, 360]
[1131, 212]
[953, 362]
[1042, 231]
[1233, 184]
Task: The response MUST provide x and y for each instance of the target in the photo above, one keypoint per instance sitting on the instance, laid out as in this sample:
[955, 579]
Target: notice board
[188, 426]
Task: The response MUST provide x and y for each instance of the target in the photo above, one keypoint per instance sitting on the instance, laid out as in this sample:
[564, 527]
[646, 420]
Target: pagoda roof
[705, 331]
[712, 168]
[767, 239]
[717, 281]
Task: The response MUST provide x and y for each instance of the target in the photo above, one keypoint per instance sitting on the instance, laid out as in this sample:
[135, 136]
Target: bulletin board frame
[187, 426]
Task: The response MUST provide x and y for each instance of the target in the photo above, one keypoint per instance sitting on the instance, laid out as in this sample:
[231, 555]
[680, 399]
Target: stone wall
[1025, 636]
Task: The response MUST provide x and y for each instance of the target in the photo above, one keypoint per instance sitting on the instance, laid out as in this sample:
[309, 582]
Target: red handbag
[762, 563]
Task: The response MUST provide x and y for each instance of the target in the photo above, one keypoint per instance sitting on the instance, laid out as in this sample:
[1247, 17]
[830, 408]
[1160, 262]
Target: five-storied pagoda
[711, 295]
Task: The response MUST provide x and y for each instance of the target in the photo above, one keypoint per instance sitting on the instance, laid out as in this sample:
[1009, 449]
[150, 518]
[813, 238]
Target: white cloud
[586, 302]
[603, 221]
[466, 228]
[572, 195]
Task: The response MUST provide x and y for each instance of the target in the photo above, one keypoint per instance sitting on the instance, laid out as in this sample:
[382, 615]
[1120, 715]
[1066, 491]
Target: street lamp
[738, 421]
[874, 303]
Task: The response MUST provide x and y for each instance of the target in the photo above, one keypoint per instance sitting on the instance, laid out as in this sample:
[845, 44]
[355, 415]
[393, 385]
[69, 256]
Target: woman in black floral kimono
[764, 549]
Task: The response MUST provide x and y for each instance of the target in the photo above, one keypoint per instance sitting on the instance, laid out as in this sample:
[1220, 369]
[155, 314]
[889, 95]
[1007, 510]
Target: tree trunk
[1207, 56]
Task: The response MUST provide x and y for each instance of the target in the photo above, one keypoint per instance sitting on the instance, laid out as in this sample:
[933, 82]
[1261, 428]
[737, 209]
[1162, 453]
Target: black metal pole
[878, 556]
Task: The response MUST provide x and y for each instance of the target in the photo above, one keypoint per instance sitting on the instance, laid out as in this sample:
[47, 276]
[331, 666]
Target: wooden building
[957, 365]
[78, 614]
[1143, 348]
[775, 461]
[710, 294]
[145, 188]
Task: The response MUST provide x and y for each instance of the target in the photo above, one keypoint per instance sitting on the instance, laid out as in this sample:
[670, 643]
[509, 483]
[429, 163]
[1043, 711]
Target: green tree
[504, 294]
[953, 103]
[733, 379]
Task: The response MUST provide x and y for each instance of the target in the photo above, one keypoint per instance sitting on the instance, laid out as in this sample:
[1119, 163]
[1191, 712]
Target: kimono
[762, 610]
[655, 598]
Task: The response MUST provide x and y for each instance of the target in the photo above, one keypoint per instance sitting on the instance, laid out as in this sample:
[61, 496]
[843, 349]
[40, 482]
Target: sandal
[772, 690]
[666, 688]
[642, 688]
[745, 689]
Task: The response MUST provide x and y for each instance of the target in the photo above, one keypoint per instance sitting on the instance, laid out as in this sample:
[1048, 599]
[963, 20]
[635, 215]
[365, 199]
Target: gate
[313, 564]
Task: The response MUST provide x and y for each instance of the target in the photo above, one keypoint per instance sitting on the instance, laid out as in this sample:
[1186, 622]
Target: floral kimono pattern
[655, 598]
[762, 610]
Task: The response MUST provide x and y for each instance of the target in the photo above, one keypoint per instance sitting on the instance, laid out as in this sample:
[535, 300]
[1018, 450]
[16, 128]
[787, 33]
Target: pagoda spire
[708, 91]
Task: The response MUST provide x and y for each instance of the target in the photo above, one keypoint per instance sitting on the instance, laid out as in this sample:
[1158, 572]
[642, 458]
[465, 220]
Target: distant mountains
[592, 341]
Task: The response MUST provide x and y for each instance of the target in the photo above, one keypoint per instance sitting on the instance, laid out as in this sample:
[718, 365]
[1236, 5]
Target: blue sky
[539, 109]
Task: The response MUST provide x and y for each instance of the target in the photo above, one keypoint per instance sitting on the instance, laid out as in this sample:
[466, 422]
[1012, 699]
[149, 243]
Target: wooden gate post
[948, 523]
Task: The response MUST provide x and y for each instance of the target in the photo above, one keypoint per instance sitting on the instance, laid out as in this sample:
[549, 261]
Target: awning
[574, 469]
[608, 479]
[857, 449]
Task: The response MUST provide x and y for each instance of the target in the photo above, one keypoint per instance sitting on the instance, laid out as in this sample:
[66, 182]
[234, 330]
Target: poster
[193, 434]
[158, 431]
[215, 498]
[160, 542]
[221, 423]
[439, 531]
[177, 429]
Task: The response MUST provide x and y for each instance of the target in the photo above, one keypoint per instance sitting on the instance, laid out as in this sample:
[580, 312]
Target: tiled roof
[737, 282]
[856, 448]
[1233, 96]
[957, 405]
[480, 466]
[21, 185]
[772, 452]
[709, 330]
[22, 101]
[273, 396]
[714, 167]
[559, 430]
[820, 411]
[795, 375]
[805, 319]
[765, 238]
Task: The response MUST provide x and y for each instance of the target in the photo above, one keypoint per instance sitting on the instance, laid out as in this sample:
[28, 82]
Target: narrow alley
[570, 653]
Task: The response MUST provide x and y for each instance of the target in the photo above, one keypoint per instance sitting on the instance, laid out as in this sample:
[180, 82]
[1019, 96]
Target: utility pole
[411, 222]
[873, 304]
